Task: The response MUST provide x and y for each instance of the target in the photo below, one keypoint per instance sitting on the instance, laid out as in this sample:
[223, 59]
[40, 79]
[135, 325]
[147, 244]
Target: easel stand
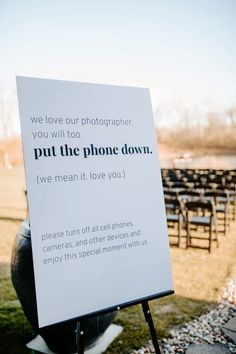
[148, 318]
[79, 338]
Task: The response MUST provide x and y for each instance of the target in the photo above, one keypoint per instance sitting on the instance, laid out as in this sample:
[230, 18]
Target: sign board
[97, 215]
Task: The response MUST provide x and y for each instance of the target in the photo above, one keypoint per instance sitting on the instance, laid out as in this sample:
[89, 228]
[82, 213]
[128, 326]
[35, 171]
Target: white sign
[97, 215]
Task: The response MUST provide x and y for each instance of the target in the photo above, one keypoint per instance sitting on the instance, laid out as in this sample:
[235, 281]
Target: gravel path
[204, 330]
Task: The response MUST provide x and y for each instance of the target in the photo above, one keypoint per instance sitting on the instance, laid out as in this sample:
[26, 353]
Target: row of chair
[203, 211]
[225, 200]
[227, 177]
[197, 171]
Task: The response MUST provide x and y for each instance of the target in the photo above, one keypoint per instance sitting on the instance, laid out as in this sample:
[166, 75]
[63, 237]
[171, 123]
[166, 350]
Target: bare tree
[231, 113]
[9, 125]
[5, 120]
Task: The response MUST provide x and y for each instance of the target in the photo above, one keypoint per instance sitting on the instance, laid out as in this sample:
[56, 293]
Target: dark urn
[60, 338]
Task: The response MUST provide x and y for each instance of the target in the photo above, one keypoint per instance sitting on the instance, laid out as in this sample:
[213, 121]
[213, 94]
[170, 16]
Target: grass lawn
[199, 279]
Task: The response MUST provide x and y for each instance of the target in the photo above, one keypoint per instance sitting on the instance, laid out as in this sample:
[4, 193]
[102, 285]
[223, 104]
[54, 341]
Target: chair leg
[216, 232]
[225, 223]
[210, 237]
[188, 234]
[179, 230]
[234, 208]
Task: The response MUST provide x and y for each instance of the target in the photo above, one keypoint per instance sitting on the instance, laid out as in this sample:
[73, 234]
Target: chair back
[189, 195]
[200, 205]
[173, 205]
[218, 196]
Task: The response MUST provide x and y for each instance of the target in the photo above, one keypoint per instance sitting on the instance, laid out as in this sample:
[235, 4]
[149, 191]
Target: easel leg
[148, 318]
[79, 338]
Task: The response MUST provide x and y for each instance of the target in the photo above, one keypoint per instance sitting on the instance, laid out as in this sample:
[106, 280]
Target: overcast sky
[183, 50]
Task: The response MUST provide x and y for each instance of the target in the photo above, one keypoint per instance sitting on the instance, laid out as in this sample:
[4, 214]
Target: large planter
[61, 337]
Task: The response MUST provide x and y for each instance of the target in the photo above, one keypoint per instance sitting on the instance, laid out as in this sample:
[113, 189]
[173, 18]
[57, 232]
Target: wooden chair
[221, 200]
[202, 216]
[231, 190]
[174, 216]
[232, 201]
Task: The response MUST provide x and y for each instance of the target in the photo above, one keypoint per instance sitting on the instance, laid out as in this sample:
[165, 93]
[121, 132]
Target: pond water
[202, 161]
